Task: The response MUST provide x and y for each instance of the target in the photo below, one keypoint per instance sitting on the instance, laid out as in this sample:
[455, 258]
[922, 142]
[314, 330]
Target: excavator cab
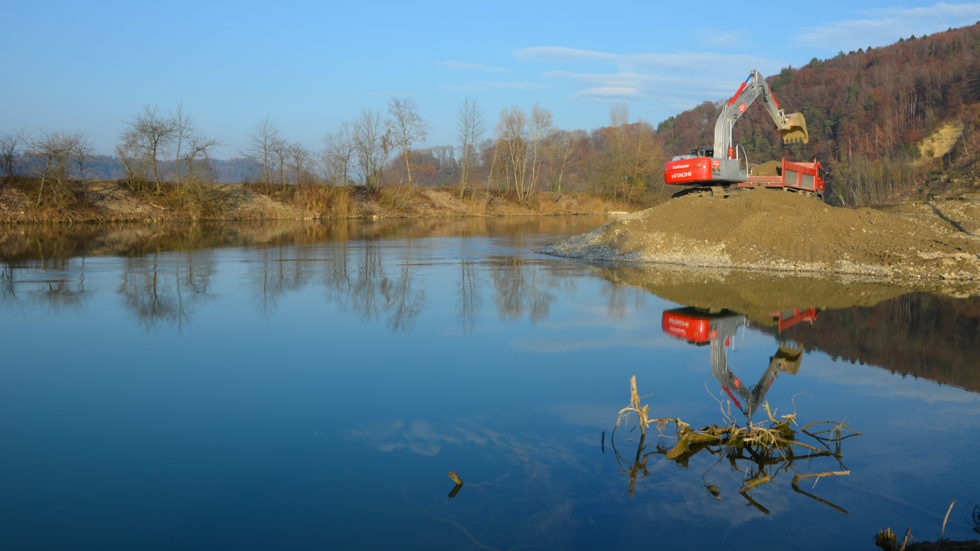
[796, 132]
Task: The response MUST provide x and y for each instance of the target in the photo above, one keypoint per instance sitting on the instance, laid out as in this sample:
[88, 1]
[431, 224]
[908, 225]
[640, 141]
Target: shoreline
[113, 201]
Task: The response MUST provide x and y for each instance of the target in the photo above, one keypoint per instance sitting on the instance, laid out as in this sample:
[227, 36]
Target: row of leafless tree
[151, 135]
[525, 152]
[58, 158]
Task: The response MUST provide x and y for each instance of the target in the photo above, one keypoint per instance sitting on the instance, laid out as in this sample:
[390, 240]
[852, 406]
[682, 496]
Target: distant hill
[862, 107]
[228, 171]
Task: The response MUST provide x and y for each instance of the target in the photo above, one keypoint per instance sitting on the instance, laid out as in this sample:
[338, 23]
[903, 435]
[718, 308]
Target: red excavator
[717, 329]
[722, 170]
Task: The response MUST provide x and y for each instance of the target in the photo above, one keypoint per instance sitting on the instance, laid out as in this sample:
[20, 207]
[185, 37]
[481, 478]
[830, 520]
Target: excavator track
[707, 191]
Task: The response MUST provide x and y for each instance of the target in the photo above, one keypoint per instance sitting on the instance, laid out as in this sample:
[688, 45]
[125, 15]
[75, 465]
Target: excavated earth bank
[777, 231]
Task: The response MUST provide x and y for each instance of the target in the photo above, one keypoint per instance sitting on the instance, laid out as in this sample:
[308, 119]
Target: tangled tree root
[759, 451]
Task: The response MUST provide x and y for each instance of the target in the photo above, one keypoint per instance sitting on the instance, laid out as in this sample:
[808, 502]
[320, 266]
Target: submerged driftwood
[759, 451]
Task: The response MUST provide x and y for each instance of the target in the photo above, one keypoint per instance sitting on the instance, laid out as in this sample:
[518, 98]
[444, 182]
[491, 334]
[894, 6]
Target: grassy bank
[25, 200]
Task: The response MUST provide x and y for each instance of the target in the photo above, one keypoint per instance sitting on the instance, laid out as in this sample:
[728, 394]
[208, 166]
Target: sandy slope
[775, 230]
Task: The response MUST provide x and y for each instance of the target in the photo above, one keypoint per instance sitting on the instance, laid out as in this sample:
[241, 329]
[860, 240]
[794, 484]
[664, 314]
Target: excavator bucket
[791, 357]
[796, 132]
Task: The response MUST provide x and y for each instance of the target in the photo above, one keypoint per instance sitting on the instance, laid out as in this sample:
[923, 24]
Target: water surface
[287, 385]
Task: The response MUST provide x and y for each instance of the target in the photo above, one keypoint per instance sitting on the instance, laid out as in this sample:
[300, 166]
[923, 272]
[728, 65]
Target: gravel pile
[778, 231]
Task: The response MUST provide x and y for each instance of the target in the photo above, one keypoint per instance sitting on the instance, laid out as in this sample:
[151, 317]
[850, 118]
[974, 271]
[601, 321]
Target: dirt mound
[772, 168]
[773, 230]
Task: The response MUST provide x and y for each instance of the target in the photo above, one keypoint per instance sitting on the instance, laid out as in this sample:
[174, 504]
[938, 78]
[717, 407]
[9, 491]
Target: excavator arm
[791, 126]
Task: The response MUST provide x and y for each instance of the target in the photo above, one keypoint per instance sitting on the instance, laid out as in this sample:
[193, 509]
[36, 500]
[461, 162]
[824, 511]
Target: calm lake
[310, 385]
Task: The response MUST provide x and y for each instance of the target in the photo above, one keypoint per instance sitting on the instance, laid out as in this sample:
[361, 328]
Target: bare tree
[54, 151]
[563, 145]
[81, 150]
[10, 143]
[299, 159]
[541, 125]
[197, 160]
[511, 133]
[149, 132]
[260, 144]
[130, 152]
[372, 147]
[405, 128]
[470, 125]
[183, 125]
[339, 151]
[279, 151]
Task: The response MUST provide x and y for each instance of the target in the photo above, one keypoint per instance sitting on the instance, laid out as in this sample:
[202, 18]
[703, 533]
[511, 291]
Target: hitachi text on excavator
[724, 169]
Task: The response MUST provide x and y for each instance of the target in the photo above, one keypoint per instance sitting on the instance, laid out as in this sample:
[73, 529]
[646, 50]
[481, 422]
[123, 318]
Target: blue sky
[310, 65]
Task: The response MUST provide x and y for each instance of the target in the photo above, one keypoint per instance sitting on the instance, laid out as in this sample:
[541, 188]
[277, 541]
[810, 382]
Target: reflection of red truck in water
[718, 330]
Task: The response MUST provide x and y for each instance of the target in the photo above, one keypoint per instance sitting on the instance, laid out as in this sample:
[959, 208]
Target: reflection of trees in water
[404, 302]
[7, 292]
[470, 301]
[279, 274]
[167, 296]
[363, 280]
[620, 298]
[361, 285]
[520, 288]
[366, 277]
[63, 292]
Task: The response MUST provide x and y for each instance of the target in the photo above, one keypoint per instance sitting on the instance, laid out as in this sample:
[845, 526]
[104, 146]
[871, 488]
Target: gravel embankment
[777, 231]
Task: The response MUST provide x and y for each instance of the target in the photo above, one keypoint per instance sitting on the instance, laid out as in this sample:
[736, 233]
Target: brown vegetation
[101, 201]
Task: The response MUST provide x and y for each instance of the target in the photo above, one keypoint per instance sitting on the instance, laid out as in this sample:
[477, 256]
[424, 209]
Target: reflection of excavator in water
[718, 170]
[718, 330]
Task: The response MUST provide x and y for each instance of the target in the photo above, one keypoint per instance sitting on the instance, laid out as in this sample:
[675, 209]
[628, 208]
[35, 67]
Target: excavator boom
[791, 126]
[719, 170]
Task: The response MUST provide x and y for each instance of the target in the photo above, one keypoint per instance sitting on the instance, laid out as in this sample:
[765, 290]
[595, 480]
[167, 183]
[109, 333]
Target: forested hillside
[936, 338]
[867, 112]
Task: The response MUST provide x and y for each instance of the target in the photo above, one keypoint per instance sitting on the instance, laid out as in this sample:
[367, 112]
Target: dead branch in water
[767, 448]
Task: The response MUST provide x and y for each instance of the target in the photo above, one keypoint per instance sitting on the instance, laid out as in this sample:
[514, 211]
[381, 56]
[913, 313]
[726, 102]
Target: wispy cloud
[485, 84]
[676, 80]
[607, 93]
[681, 63]
[676, 90]
[711, 37]
[461, 66]
[885, 26]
